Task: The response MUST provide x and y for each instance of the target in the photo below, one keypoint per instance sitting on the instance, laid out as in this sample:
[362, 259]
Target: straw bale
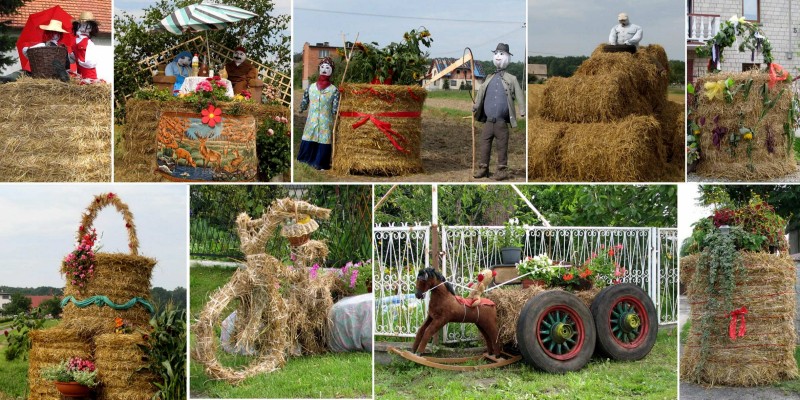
[51, 131]
[766, 353]
[366, 149]
[50, 347]
[587, 296]
[309, 303]
[599, 98]
[138, 164]
[535, 94]
[647, 69]
[688, 266]
[119, 360]
[544, 142]
[120, 277]
[720, 163]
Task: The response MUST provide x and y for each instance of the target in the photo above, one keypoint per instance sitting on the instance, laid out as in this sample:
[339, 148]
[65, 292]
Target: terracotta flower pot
[73, 389]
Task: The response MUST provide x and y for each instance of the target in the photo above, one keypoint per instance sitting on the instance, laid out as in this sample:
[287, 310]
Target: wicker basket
[41, 59]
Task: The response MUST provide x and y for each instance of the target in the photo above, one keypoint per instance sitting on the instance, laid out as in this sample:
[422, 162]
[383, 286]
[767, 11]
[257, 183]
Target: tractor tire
[626, 322]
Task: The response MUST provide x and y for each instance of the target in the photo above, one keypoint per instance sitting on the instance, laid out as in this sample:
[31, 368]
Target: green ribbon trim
[101, 301]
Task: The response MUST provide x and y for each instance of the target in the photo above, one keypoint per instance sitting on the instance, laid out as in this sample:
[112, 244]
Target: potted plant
[511, 243]
[539, 268]
[73, 378]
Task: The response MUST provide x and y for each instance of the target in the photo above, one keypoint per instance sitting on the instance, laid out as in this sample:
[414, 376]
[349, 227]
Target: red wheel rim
[619, 315]
[563, 319]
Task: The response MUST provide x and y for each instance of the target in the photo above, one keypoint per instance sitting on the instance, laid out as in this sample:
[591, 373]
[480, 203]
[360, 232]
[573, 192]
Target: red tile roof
[37, 300]
[100, 8]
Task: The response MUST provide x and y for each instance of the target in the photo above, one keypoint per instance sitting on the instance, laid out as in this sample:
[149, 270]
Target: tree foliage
[8, 42]
[516, 68]
[19, 304]
[785, 198]
[51, 307]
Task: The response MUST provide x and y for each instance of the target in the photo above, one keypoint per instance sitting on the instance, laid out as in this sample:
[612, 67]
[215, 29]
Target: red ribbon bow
[383, 126]
[734, 315]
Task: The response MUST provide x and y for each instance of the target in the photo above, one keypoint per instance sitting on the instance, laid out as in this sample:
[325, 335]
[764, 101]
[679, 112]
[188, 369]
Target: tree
[19, 304]
[7, 42]
[51, 307]
[677, 73]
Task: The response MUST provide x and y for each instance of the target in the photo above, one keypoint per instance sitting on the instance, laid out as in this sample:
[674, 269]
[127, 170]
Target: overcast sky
[689, 211]
[38, 224]
[385, 25]
[576, 27]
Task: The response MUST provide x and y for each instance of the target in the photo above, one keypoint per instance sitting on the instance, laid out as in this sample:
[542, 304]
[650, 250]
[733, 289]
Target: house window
[453, 83]
[751, 10]
[6, 296]
[748, 66]
[324, 53]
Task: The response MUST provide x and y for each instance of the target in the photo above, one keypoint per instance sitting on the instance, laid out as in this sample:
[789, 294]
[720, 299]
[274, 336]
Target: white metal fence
[648, 254]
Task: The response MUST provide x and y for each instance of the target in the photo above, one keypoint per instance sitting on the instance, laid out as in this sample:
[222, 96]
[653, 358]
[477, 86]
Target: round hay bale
[50, 347]
[603, 97]
[720, 162]
[765, 354]
[379, 130]
[119, 359]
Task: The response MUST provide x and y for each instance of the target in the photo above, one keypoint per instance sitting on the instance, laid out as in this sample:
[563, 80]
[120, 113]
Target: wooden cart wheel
[626, 322]
[556, 332]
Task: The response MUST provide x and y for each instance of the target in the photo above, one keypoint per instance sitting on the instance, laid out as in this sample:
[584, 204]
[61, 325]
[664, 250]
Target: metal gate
[648, 254]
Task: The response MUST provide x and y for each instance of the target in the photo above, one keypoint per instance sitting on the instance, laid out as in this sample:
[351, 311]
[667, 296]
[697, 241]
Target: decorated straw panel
[379, 130]
[751, 344]
[48, 348]
[119, 359]
[115, 286]
[766, 112]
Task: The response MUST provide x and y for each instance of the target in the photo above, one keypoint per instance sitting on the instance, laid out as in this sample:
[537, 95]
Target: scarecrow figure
[625, 33]
[180, 68]
[84, 54]
[494, 106]
[484, 279]
[240, 71]
[53, 36]
[322, 102]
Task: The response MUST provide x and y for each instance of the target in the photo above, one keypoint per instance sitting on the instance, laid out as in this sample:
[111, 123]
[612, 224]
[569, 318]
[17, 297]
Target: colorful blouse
[322, 106]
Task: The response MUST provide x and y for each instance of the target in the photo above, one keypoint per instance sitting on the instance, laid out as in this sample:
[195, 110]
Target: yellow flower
[238, 97]
[748, 136]
[696, 131]
[714, 89]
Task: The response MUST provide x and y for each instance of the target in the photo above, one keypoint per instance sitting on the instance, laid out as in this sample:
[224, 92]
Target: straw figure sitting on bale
[180, 68]
[84, 55]
[53, 36]
[484, 279]
[445, 306]
[322, 101]
[240, 71]
[625, 33]
[494, 106]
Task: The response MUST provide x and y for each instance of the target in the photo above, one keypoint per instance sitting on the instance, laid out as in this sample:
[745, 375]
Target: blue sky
[576, 27]
[38, 225]
[449, 37]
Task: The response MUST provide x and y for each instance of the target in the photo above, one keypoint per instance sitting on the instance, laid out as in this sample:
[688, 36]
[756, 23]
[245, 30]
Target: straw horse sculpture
[446, 307]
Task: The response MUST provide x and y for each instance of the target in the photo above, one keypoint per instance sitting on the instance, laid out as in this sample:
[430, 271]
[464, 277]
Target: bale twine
[50, 347]
[119, 359]
[379, 130]
[52, 131]
[720, 163]
[765, 354]
[122, 279]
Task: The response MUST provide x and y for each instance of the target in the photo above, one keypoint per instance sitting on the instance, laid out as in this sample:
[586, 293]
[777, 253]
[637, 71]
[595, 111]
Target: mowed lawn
[331, 375]
[654, 377]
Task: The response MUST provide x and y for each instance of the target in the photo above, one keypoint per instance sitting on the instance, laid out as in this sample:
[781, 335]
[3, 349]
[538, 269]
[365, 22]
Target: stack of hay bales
[87, 332]
[720, 162]
[611, 121]
[139, 145]
[51, 131]
[369, 115]
[765, 354]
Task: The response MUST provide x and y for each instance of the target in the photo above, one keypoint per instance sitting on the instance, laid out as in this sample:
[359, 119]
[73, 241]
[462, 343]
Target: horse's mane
[428, 273]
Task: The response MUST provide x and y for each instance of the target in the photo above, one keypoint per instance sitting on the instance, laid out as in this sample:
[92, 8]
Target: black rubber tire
[527, 335]
[619, 48]
[601, 308]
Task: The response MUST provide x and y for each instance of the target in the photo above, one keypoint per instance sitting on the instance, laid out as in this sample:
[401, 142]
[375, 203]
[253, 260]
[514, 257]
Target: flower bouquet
[540, 269]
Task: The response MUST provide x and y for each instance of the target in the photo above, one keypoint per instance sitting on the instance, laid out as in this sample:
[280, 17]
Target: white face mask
[501, 59]
[184, 61]
[325, 69]
[85, 29]
[239, 57]
[56, 37]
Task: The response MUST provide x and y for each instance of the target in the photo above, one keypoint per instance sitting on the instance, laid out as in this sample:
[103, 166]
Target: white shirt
[631, 35]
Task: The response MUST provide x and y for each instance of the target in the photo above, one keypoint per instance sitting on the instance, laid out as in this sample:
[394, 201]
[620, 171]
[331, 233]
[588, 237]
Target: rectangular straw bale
[721, 163]
[544, 142]
[366, 149]
[646, 71]
[51, 131]
[118, 359]
[50, 347]
[766, 352]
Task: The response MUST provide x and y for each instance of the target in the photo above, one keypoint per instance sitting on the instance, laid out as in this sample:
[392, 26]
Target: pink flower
[270, 132]
[353, 278]
[618, 247]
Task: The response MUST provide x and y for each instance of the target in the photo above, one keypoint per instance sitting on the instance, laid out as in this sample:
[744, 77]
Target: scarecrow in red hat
[240, 71]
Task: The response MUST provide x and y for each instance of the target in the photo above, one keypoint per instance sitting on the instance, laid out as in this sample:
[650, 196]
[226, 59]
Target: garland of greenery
[752, 36]
[101, 301]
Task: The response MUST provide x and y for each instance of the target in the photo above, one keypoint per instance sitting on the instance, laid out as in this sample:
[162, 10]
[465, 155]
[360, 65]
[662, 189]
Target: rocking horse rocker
[445, 307]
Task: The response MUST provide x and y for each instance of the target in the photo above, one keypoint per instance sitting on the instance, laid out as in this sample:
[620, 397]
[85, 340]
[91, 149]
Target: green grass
[450, 94]
[322, 376]
[654, 377]
[14, 374]
[677, 90]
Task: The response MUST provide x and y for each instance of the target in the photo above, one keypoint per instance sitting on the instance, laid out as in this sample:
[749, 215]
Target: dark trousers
[494, 130]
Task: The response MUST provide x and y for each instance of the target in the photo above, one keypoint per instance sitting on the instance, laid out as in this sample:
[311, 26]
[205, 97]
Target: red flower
[111, 195]
[586, 273]
[127, 225]
[212, 115]
[568, 277]
[611, 252]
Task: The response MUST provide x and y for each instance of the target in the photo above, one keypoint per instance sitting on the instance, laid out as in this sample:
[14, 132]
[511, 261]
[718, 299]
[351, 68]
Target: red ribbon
[383, 126]
[734, 315]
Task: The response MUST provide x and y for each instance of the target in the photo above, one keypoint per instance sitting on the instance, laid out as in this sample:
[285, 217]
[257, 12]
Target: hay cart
[558, 331]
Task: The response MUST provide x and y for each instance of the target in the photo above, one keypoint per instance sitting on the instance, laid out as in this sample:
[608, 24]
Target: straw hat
[622, 17]
[87, 16]
[299, 232]
[53, 26]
